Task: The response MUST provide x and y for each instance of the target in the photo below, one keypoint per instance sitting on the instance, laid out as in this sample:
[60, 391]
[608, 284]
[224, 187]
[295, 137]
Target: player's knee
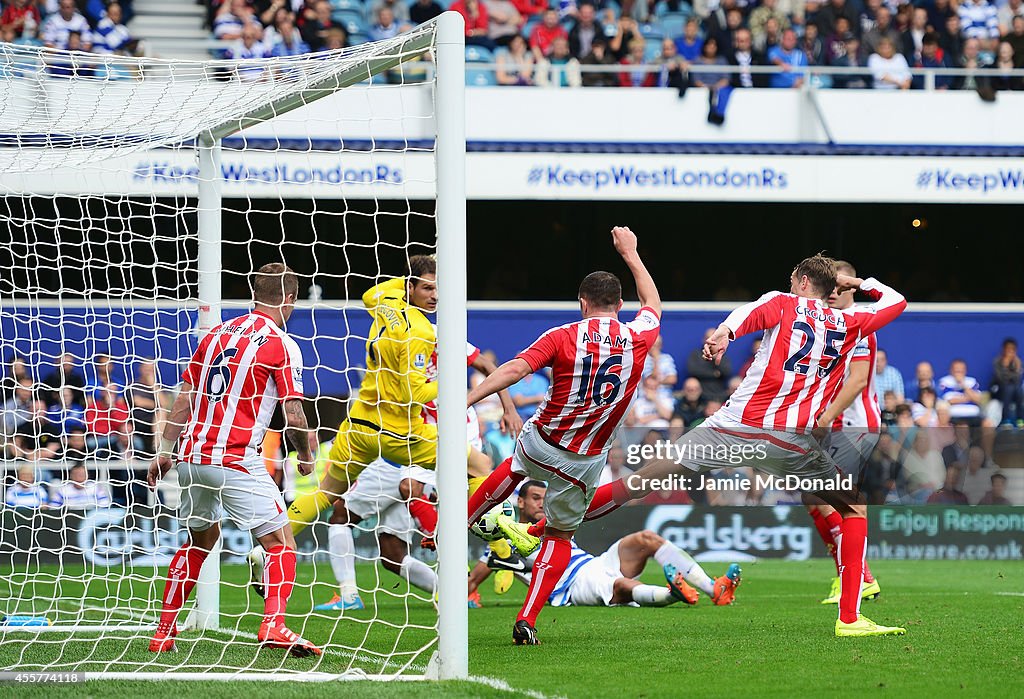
[650, 539]
[410, 489]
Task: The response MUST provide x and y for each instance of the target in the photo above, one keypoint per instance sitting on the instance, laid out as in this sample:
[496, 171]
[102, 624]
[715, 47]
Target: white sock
[419, 574]
[684, 563]
[652, 596]
[343, 557]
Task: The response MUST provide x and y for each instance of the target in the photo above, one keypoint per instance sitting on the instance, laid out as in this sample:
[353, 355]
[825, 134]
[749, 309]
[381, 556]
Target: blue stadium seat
[651, 32]
[530, 24]
[661, 9]
[652, 49]
[476, 77]
[348, 19]
[356, 38]
[354, 5]
[479, 54]
[353, 25]
[673, 24]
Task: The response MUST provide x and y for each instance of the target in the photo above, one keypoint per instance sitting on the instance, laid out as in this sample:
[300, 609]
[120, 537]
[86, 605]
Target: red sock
[181, 578]
[608, 498]
[425, 513]
[851, 567]
[825, 532]
[278, 580]
[868, 577]
[552, 560]
[498, 486]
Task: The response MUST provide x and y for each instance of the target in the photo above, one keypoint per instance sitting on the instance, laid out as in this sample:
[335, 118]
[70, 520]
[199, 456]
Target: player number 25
[604, 386]
[833, 341]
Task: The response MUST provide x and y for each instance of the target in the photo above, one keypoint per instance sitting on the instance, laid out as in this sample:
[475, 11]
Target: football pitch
[963, 622]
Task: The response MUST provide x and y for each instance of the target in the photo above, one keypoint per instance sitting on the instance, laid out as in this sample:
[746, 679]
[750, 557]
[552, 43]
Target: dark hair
[1010, 341]
[272, 283]
[532, 483]
[902, 409]
[997, 475]
[601, 289]
[420, 266]
[930, 38]
[820, 270]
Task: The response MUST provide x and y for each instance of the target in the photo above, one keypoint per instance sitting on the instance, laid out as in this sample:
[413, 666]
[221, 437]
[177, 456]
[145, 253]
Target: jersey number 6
[219, 376]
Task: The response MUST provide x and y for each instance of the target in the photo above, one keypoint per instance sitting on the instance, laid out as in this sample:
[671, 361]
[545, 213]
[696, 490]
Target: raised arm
[511, 423]
[625, 244]
[888, 306]
[750, 317]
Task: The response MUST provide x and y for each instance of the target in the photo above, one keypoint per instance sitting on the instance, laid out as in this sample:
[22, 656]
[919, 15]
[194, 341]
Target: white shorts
[376, 493]
[594, 584]
[721, 442]
[571, 478]
[252, 502]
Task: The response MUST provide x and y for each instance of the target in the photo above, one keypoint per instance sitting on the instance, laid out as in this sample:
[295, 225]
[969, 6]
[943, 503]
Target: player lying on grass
[854, 421]
[795, 375]
[378, 492]
[386, 419]
[610, 579]
[596, 364]
[239, 373]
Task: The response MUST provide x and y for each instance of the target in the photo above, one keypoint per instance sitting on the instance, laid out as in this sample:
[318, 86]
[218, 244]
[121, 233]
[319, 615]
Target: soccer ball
[487, 526]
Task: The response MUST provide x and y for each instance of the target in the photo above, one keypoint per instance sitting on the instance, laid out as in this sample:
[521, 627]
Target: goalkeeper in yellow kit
[385, 421]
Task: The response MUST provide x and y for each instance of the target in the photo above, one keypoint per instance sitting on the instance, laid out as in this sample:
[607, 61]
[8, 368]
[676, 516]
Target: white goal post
[48, 130]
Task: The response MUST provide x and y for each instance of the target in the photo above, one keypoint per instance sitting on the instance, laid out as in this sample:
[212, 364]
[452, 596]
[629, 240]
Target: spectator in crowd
[424, 10]
[545, 33]
[662, 366]
[1005, 62]
[249, 46]
[713, 378]
[651, 410]
[713, 80]
[288, 40]
[978, 476]
[924, 409]
[812, 46]
[106, 419]
[883, 29]
[962, 392]
[888, 407]
[64, 375]
[835, 41]
[267, 11]
[943, 433]
[25, 493]
[474, 12]
[504, 21]
[637, 77]
[932, 57]
[912, 38]
[1006, 13]
[387, 26]
[67, 413]
[599, 56]
[37, 438]
[80, 492]
[852, 58]
[743, 55]
[949, 493]
[529, 8]
[17, 410]
[111, 36]
[979, 20]
[924, 376]
[67, 19]
[515, 67]
[959, 450]
[559, 69]
[147, 404]
[830, 14]
[881, 472]
[768, 9]
[972, 59]
[868, 17]
[103, 366]
[690, 406]
[1006, 383]
[626, 30]
[690, 43]
[903, 430]
[489, 409]
[528, 393]
[923, 469]
[61, 67]
[232, 17]
[616, 467]
[1016, 40]
[399, 11]
[790, 59]
[754, 347]
[889, 69]
[950, 40]
[673, 72]
[17, 372]
[771, 38]
[314, 30]
[337, 38]
[887, 378]
[584, 31]
[21, 18]
[997, 495]
[938, 11]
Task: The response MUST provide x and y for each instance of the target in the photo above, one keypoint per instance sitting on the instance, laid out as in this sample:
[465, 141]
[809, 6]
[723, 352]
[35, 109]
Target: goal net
[138, 197]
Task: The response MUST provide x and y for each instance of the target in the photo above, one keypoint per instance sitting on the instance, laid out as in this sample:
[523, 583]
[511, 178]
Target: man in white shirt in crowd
[26, 493]
[79, 492]
[888, 68]
[67, 19]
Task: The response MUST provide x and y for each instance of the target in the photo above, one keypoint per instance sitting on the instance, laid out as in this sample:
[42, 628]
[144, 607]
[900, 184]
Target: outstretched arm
[625, 244]
[511, 423]
[507, 374]
[887, 307]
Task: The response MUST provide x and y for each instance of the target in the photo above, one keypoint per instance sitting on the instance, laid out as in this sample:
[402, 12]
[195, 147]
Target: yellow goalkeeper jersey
[399, 348]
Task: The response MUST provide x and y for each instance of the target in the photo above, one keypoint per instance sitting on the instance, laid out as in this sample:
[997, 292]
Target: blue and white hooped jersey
[560, 596]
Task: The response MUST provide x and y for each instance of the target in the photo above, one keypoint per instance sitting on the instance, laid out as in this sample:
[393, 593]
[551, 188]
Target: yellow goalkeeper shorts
[360, 442]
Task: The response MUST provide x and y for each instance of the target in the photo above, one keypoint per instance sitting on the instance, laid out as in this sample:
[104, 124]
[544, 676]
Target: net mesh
[102, 275]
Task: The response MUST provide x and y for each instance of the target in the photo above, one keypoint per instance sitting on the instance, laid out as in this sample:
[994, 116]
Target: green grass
[963, 637]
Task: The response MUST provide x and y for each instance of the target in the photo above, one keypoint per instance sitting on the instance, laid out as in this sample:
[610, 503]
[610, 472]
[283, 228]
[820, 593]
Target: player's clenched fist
[716, 344]
[624, 240]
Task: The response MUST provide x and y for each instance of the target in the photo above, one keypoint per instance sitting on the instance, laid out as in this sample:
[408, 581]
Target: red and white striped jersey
[596, 366]
[863, 413]
[241, 370]
[430, 409]
[804, 354]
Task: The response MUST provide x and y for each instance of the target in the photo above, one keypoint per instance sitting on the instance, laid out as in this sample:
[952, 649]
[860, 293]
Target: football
[486, 527]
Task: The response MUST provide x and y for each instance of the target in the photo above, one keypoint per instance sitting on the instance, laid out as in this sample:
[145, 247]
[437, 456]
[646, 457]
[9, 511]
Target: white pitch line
[1011, 594]
[503, 686]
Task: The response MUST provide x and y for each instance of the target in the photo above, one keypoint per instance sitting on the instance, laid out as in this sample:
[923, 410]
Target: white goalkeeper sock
[419, 574]
[343, 557]
[652, 596]
[684, 563]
